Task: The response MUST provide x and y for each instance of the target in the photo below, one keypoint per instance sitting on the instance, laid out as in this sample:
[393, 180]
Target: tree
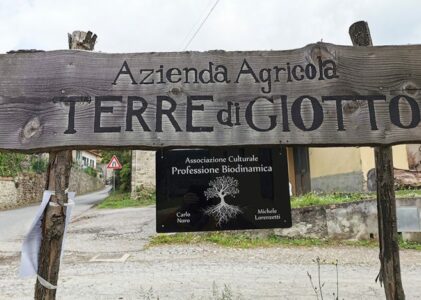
[222, 187]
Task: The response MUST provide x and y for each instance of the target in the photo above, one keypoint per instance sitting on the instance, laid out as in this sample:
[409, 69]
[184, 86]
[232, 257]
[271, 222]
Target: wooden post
[291, 169]
[390, 273]
[53, 223]
[57, 180]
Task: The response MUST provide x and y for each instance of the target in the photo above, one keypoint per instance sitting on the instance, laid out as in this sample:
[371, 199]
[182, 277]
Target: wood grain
[33, 116]
[390, 273]
[57, 180]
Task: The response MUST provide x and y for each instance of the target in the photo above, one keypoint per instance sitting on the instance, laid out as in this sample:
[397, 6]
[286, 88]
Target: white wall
[86, 158]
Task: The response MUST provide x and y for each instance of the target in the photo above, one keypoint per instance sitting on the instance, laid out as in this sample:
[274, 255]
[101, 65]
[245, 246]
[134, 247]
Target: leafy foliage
[90, 171]
[11, 163]
[38, 164]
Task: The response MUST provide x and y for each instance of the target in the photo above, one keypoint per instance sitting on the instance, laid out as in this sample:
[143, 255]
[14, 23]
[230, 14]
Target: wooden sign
[321, 94]
[224, 188]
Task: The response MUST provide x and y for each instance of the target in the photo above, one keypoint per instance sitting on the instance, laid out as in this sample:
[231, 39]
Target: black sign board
[225, 188]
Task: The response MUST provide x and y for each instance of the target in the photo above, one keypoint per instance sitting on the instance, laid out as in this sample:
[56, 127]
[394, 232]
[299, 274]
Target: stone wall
[21, 190]
[355, 220]
[82, 183]
[28, 188]
[348, 183]
[8, 193]
[143, 170]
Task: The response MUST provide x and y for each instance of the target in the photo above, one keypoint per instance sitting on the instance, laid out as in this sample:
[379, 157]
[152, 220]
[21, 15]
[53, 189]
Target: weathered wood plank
[390, 274]
[54, 219]
[52, 100]
[53, 224]
[390, 270]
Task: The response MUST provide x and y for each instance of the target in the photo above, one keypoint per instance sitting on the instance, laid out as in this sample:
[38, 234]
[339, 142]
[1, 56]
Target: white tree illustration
[221, 187]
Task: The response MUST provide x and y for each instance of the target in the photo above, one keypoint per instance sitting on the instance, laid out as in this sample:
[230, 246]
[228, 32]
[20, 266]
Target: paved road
[91, 268]
[15, 223]
[97, 240]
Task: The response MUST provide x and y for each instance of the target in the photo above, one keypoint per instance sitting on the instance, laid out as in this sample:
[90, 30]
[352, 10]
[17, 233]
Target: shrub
[90, 171]
[11, 163]
[38, 164]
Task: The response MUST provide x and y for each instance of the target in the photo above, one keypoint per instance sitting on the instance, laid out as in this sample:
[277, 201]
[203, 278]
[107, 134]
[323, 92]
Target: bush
[11, 163]
[90, 171]
[38, 164]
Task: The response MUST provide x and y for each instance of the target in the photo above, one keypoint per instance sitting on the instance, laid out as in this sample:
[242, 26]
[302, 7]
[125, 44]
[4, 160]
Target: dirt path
[195, 272]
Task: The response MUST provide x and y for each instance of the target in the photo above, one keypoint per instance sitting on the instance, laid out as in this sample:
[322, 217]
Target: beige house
[86, 158]
[346, 169]
[339, 169]
[91, 158]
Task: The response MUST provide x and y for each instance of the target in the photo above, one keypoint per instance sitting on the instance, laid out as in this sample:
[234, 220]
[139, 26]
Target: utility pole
[54, 219]
[390, 272]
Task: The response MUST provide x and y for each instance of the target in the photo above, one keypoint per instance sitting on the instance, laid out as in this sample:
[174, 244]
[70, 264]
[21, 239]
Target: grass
[314, 199]
[408, 193]
[409, 245]
[247, 241]
[124, 200]
[147, 197]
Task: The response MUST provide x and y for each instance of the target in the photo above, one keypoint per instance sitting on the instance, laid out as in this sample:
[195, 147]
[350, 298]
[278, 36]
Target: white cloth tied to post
[32, 243]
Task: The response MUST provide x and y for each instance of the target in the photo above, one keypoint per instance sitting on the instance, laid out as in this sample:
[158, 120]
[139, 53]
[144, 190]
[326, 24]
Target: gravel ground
[197, 271]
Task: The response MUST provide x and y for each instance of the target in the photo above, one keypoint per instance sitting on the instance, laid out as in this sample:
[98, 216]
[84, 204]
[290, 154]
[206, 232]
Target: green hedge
[11, 164]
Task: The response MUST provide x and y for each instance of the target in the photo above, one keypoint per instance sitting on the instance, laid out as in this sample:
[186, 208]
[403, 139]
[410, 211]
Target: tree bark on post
[53, 223]
[390, 272]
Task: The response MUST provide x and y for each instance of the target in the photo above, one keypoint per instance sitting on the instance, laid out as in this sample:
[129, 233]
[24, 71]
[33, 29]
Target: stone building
[143, 170]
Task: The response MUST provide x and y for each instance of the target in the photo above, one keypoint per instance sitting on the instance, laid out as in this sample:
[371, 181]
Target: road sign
[224, 188]
[114, 163]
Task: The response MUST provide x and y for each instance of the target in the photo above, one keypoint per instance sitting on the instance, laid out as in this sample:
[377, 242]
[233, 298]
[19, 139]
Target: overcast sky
[152, 25]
